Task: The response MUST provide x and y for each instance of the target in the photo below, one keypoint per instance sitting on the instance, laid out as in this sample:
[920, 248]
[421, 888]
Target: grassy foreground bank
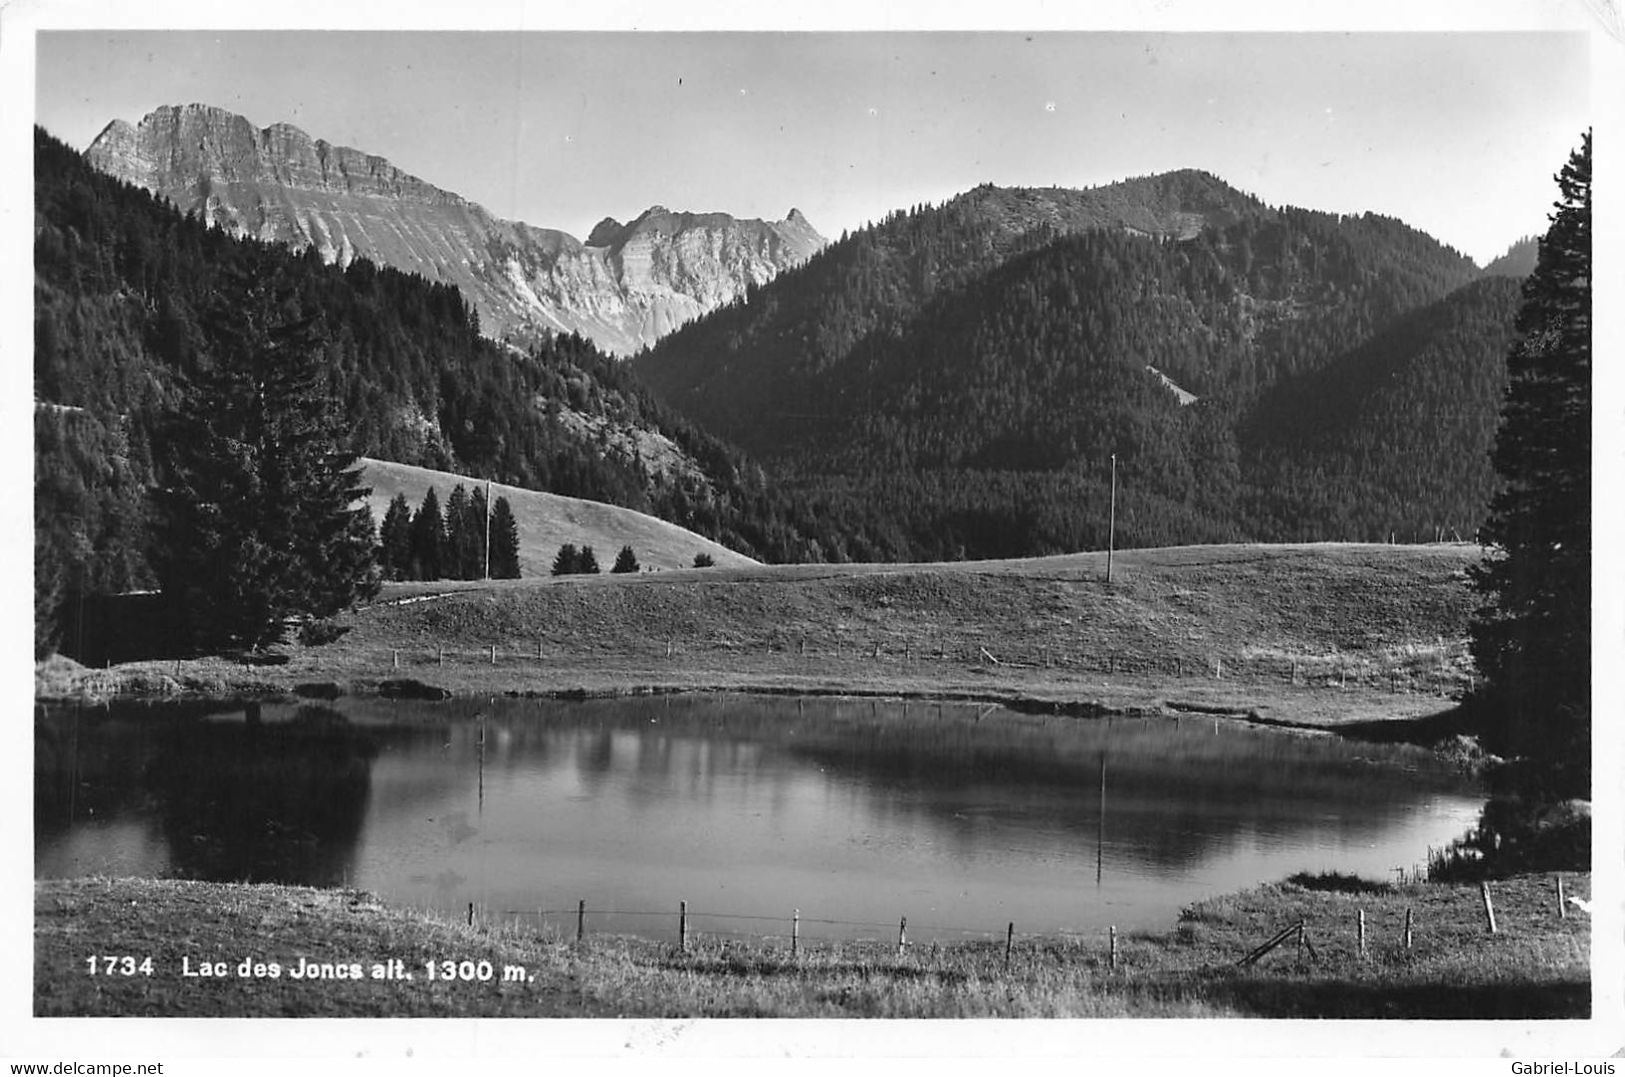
[1317, 634]
[1535, 966]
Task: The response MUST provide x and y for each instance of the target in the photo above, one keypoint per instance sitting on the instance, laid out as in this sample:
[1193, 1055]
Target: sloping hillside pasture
[548, 521]
[1312, 634]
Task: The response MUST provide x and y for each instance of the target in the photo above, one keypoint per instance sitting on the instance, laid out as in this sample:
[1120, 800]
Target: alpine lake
[841, 817]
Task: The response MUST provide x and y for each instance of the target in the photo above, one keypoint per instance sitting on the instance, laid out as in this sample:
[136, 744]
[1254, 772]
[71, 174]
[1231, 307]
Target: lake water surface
[961, 818]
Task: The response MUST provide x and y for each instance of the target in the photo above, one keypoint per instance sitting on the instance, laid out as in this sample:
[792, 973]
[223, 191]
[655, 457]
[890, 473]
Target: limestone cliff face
[624, 288]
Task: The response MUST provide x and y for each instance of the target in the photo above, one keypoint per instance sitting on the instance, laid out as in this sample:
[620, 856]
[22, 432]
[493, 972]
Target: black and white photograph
[814, 532]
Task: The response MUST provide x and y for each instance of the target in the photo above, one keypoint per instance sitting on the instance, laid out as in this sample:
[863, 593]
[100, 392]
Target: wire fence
[794, 933]
[707, 922]
[1340, 932]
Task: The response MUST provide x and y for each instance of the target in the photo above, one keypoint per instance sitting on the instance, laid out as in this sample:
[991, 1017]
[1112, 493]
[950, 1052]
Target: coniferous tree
[625, 561]
[704, 560]
[477, 521]
[1532, 639]
[587, 561]
[459, 538]
[567, 561]
[504, 542]
[428, 539]
[260, 514]
[395, 540]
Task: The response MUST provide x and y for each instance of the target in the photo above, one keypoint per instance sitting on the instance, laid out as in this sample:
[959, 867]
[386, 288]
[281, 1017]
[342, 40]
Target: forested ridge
[975, 378]
[123, 284]
[1394, 433]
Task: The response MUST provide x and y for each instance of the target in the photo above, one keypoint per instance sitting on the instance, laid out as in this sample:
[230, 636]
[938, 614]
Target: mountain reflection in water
[951, 814]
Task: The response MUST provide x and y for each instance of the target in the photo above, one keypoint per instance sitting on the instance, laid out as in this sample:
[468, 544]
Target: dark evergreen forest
[974, 380]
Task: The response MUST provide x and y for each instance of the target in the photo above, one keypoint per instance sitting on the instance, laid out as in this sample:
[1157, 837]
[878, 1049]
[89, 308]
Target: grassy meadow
[1535, 966]
[1307, 635]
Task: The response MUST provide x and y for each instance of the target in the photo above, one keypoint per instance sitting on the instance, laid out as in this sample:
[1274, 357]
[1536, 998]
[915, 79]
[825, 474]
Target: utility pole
[1111, 526]
[487, 528]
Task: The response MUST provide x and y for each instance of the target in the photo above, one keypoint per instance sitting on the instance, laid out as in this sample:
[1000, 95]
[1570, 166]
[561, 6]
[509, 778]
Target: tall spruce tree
[428, 539]
[1532, 638]
[504, 541]
[478, 518]
[395, 540]
[261, 520]
[459, 536]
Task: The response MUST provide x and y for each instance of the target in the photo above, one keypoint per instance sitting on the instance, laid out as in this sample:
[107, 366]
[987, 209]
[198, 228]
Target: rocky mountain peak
[623, 289]
[604, 232]
[179, 147]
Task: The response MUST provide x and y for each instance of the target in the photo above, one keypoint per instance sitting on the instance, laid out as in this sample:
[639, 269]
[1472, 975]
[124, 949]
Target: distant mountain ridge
[965, 373]
[624, 288]
[1176, 204]
[1246, 280]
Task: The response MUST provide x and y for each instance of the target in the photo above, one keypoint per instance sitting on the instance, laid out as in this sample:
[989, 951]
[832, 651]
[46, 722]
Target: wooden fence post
[1274, 940]
[395, 660]
[1562, 913]
[1407, 929]
[1009, 941]
[1218, 669]
[470, 914]
[682, 926]
[581, 919]
[902, 935]
[1114, 947]
[795, 932]
[1362, 933]
[493, 654]
[1489, 906]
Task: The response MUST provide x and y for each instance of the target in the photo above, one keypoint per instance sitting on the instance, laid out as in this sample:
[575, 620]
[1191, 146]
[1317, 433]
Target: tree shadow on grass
[1426, 1001]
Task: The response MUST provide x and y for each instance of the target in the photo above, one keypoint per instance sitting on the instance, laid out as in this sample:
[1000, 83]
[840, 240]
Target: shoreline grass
[1535, 967]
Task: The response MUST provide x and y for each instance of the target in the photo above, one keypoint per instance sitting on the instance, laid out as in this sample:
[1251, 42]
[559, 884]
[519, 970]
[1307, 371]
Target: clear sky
[1457, 133]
